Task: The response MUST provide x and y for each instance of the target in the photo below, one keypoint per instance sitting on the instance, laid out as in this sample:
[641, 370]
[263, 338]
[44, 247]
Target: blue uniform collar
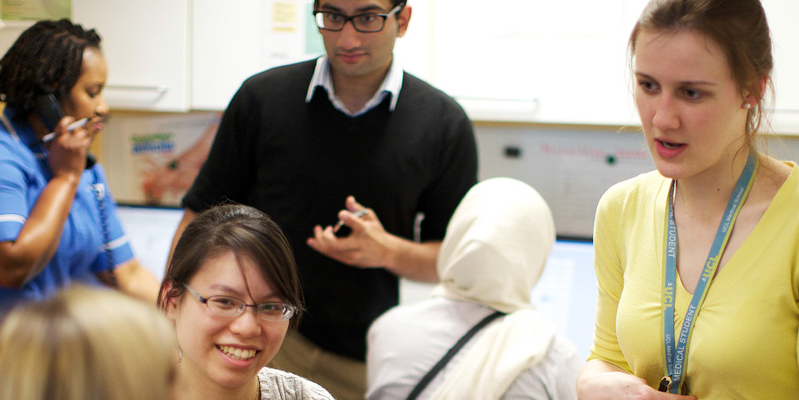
[21, 132]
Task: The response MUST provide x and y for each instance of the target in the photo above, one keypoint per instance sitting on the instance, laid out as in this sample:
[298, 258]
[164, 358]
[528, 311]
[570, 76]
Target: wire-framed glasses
[367, 22]
[233, 307]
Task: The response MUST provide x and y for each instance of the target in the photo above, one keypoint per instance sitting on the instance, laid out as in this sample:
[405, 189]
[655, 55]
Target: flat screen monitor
[566, 292]
[150, 230]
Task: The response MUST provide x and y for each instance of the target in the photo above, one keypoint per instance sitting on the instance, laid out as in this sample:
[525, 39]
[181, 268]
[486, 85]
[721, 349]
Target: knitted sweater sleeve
[229, 169]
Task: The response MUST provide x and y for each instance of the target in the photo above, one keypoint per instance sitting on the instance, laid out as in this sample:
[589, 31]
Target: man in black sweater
[302, 141]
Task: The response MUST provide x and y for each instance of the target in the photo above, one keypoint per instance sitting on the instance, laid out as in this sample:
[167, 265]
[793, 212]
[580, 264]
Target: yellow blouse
[744, 343]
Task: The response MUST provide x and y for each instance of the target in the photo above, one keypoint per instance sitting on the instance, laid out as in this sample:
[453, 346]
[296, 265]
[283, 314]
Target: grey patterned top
[277, 384]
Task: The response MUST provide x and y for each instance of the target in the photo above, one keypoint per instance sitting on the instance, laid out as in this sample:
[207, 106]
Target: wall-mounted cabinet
[782, 16]
[233, 40]
[565, 62]
[539, 61]
[146, 44]
[226, 42]
[522, 61]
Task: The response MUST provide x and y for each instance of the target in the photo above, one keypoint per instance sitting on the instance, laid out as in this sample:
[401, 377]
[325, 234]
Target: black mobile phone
[49, 111]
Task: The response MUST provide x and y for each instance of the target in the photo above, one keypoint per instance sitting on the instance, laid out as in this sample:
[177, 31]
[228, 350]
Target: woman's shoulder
[643, 187]
[778, 173]
[642, 182]
[551, 377]
[9, 147]
[277, 384]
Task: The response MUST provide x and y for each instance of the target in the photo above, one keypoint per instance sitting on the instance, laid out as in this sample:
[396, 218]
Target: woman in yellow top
[697, 262]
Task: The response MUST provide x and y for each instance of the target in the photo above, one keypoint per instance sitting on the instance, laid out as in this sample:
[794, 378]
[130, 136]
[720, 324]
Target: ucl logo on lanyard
[675, 352]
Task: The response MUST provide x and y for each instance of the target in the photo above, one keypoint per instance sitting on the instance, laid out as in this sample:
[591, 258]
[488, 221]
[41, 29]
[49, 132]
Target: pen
[357, 214]
[71, 127]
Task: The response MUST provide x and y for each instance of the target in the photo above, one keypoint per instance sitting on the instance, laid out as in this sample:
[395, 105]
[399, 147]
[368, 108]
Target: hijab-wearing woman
[495, 249]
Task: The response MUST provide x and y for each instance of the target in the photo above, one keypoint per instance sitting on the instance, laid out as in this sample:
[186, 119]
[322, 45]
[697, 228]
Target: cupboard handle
[160, 89]
[533, 100]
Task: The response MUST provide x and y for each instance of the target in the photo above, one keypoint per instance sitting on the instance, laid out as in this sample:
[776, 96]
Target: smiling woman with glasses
[238, 258]
[233, 307]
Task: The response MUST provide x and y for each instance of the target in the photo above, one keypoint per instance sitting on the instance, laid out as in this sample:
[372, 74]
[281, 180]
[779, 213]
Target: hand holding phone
[49, 111]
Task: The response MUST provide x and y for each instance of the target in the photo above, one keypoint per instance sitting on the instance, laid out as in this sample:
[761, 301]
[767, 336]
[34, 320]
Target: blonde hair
[87, 343]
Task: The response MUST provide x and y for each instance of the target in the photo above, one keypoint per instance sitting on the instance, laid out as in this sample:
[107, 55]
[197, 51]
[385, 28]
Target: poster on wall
[153, 159]
[34, 10]
[289, 33]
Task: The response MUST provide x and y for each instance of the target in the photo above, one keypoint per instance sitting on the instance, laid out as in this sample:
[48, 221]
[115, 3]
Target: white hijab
[495, 249]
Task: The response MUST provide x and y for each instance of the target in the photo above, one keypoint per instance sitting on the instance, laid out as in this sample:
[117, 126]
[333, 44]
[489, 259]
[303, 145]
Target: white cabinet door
[232, 40]
[227, 39]
[782, 18]
[535, 61]
[146, 45]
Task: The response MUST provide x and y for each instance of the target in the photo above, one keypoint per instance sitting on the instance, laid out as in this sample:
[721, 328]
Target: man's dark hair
[393, 2]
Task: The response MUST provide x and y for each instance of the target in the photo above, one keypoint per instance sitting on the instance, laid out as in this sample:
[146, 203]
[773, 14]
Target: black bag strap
[451, 353]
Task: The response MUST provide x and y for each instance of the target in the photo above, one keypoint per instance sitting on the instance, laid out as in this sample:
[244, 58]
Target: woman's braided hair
[45, 59]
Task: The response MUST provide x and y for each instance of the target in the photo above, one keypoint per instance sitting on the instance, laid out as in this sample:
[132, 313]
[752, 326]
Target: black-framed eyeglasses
[233, 307]
[367, 22]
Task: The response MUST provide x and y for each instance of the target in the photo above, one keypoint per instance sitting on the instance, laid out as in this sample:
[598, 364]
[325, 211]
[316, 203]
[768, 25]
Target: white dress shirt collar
[390, 86]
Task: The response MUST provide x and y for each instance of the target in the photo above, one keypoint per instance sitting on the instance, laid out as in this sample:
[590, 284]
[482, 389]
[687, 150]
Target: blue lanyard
[676, 353]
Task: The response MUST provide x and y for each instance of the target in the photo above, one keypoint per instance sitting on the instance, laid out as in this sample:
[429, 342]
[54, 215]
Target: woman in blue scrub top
[58, 221]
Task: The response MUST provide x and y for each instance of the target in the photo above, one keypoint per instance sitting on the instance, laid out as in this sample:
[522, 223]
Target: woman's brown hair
[739, 27]
[244, 231]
